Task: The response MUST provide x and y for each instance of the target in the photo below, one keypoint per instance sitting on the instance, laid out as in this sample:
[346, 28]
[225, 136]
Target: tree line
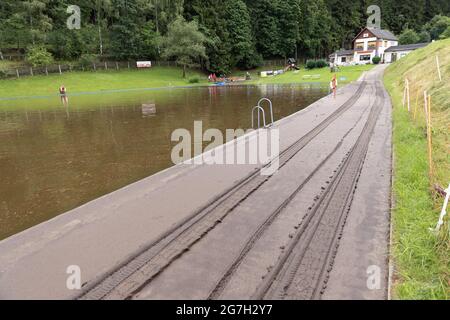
[219, 35]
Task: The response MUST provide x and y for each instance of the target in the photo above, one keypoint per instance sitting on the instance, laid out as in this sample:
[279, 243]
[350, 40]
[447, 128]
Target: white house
[393, 54]
[369, 43]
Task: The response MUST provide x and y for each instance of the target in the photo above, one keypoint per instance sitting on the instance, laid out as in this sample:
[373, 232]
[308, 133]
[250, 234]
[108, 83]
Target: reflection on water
[53, 159]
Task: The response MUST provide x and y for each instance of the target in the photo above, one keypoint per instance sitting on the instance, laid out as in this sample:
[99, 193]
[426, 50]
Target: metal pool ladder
[262, 111]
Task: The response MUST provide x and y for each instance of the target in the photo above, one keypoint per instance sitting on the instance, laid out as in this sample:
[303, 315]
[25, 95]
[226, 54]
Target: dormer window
[365, 35]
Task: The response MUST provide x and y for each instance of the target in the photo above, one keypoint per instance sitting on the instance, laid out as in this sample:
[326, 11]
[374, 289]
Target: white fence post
[444, 210]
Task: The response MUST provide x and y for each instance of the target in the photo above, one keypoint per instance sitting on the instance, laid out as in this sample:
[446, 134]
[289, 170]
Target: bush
[408, 36]
[194, 79]
[87, 60]
[311, 64]
[376, 60]
[38, 56]
[321, 64]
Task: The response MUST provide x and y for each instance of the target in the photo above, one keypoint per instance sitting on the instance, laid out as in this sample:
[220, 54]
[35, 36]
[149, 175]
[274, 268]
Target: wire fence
[24, 71]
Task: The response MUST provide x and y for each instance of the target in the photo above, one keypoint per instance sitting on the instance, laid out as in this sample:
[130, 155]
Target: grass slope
[77, 82]
[157, 77]
[422, 259]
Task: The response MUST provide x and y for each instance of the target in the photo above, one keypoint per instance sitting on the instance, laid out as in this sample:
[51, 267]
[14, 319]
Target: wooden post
[425, 106]
[95, 68]
[31, 71]
[417, 104]
[438, 68]
[430, 140]
[117, 66]
[17, 72]
[408, 96]
[59, 67]
[106, 65]
[128, 64]
[46, 70]
[404, 95]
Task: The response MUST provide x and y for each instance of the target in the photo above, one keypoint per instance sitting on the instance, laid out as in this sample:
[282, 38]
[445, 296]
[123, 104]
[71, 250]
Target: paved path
[317, 229]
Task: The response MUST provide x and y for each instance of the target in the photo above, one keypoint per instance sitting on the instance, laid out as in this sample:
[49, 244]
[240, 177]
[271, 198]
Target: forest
[216, 35]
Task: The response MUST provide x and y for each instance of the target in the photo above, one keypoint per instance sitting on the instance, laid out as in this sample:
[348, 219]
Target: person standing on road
[333, 86]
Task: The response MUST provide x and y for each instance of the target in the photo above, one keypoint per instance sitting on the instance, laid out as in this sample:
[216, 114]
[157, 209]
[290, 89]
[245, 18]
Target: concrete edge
[391, 264]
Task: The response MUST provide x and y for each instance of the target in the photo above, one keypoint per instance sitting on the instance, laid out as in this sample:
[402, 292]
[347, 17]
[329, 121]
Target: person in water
[63, 94]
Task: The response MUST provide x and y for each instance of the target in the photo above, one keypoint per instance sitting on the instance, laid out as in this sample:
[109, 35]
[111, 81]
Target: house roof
[406, 47]
[342, 52]
[383, 34]
[379, 33]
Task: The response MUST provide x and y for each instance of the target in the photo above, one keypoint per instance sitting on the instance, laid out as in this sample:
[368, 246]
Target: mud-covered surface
[316, 229]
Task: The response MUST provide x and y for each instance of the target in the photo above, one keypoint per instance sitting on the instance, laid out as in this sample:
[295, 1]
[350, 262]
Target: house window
[344, 59]
[359, 46]
[365, 57]
[372, 45]
[365, 35]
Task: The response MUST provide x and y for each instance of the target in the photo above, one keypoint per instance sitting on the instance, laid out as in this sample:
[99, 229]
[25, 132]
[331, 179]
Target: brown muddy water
[53, 158]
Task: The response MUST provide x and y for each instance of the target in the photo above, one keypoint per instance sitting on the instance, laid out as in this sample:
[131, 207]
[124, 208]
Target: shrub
[321, 63]
[311, 64]
[38, 56]
[408, 36]
[194, 79]
[376, 60]
[87, 60]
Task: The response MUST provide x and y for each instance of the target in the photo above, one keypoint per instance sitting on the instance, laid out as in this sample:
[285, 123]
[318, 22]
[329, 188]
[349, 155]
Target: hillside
[421, 258]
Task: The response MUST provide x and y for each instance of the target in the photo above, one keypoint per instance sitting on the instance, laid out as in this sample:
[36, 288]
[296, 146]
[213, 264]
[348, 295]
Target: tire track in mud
[303, 269]
[226, 277]
[136, 273]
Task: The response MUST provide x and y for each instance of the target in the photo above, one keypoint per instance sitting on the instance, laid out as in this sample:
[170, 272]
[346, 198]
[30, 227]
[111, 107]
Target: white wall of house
[389, 56]
[363, 46]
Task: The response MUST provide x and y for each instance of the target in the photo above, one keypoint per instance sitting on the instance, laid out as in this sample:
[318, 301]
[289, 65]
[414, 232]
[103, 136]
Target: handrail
[260, 109]
[270, 106]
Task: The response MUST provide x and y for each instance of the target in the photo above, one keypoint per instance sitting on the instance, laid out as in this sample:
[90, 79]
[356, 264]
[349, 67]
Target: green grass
[351, 73]
[421, 258]
[157, 77]
[77, 82]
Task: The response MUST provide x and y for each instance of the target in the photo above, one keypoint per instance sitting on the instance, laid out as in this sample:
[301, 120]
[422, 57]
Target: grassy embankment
[157, 77]
[421, 258]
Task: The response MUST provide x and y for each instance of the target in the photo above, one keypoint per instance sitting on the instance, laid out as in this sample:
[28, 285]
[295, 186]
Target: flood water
[53, 158]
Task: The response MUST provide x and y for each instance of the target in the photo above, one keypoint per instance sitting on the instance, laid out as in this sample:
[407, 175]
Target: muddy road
[318, 228]
[278, 237]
